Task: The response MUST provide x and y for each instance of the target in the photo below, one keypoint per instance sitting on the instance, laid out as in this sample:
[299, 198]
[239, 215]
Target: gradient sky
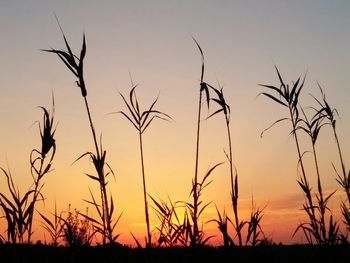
[242, 40]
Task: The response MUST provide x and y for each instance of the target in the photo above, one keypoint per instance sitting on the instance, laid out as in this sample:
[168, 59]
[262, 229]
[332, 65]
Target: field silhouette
[179, 235]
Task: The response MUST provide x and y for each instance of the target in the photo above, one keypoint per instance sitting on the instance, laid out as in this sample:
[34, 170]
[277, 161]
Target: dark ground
[295, 253]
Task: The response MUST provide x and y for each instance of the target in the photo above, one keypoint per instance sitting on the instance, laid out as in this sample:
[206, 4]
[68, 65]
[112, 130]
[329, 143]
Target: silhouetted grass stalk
[19, 211]
[53, 227]
[77, 232]
[196, 186]
[195, 194]
[47, 143]
[16, 211]
[75, 65]
[141, 120]
[254, 226]
[225, 109]
[222, 223]
[145, 191]
[328, 113]
[312, 129]
[172, 231]
[289, 98]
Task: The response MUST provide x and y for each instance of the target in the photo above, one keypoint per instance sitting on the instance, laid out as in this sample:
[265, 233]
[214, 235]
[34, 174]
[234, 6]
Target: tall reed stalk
[141, 121]
[196, 235]
[312, 129]
[203, 87]
[288, 97]
[105, 210]
[317, 229]
[327, 113]
[225, 109]
[19, 211]
[41, 161]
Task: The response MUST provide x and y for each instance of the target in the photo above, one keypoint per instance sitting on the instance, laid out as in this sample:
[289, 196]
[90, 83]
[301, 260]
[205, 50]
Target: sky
[241, 41]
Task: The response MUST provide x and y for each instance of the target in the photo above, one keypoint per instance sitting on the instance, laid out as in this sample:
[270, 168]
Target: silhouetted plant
[174, 231]
[106, 225]
[268, 242]
[196, 208]
[40, 164]
[312, 129]
[254, 227]
[19, 211]
[77, 231]
[225, 109]
[316, 228]
[289, 98]
[16, 211]
[328, 115]
[138, 244]
[2, 239]
[346, 216]
[141, 121]
[222, 223]
[53, 227]
[171, 231]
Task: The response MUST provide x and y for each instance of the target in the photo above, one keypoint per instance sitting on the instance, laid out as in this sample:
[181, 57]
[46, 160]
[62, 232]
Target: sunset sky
[241, 40]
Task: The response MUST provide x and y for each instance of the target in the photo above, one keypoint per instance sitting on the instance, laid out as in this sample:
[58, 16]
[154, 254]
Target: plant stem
[321, 200]
[104, 199]
[308, 195]
[92, 127]
[144, 191]
[36, 193]
[35, 196]
[339, 151]
[234, 188]
[195, 194]
[345, 179]
[304, 179]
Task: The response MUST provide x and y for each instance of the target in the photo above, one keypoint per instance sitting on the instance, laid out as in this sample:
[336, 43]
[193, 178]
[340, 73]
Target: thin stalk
[92, 127]
[347, 189]
[230, 155]
[340, 154]
[75, 65]
[305, 182]
[107, 215]
[38, 172]
[234, 186]
[104, 210]
[299, 152]
[327, 112]
[321, 201]
[104, 198]
[195, 194]
[144, 190]
[308, 194]
[35, 197]
[141, 121]
[100, 174]
[195, 184]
